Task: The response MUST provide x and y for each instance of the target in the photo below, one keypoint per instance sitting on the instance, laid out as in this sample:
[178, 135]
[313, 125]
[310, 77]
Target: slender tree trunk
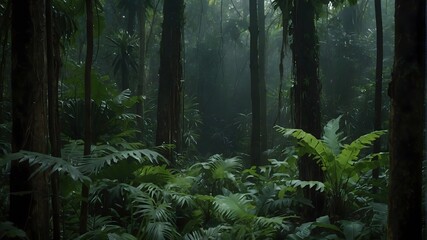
[4, 38]
[255, 84]
[407, 92]
[306, 95]
[262, 83]
[29, 200]
[84, 209]
[141, 70]
[125, 75]
[378, 83]
[53, 118]
[170, 76]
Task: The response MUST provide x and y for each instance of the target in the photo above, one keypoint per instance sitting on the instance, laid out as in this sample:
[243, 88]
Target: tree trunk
[84, 208]
[29, 200]
[4, 38]
[306, 95]
[141, 70]
[53, 117]
[407, 92]
[170, 76]
[378, 83]
[255, 91]
[262, 83]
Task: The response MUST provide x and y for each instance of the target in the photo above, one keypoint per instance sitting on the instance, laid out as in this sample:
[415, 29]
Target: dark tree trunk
[378, 83]
[407, 92]
[84, 208]
[255, 84]
[306, 95]
[53, 119]
[170, 76]
[262, 83]
[141, 69]
[4, 38]
[29, 199]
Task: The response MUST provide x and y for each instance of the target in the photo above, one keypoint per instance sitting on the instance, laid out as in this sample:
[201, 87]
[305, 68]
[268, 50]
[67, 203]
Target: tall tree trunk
[170, 76]
[84, 208]
[141, 69]
[262, 83]
[4, 38]
[29, 200]
[407, 146]
[306, 95]
[378, 83]
[255, 91]
[53, 118]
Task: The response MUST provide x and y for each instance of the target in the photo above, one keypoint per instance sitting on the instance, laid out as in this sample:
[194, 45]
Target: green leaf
[331, 137]
[234, 207]
[352, 229]
[351, 151]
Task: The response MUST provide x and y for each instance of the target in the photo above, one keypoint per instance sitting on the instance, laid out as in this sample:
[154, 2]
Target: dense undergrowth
[138, 194]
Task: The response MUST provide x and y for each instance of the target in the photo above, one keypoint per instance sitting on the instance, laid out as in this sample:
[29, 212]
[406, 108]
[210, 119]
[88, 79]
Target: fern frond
[331, 137]
[234, 207]
[225, 168]
[309, 144]
[160, 231]
[302, 184]
[90, 165]
[48, 164]
[158, 175]
[350, 152]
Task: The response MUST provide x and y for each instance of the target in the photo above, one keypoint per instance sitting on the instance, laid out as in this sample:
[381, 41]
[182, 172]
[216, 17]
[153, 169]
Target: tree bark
[378, 83]
[306, 95]
[84, 208]
[170, 76]
[53, 116]
[255, 84]
[262, 83]
[141, 70]
[407, 146]
[29, 204]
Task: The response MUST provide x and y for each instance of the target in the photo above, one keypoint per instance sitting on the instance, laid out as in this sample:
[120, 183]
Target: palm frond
[48, 164]
[160, 231]
[90, 165]
[234, 207]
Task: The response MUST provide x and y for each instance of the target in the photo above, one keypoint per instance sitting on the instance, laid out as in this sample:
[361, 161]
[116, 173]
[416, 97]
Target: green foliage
[9, 231]
[111, 120]
[342, 164]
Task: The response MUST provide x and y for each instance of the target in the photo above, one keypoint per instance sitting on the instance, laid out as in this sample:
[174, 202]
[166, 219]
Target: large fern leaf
[350, 152]
[331, 135]
[48, 164]
[234, 207]
[90, 165]
[309, 144]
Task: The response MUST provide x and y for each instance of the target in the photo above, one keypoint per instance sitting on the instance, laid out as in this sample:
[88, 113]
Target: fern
[234, 207]
[90, 165]
[309, 145]
[341, 163]
[48, 164]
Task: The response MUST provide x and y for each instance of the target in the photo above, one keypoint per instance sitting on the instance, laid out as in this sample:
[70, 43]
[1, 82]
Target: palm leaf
[48, 164]
[160, 231]
[90, 165]
[234, 207]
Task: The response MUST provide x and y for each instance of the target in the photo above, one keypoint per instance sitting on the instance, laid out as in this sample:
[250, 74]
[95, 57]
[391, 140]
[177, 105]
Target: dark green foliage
[344, 168]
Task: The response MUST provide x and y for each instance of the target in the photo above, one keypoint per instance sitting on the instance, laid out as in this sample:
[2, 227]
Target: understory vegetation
[138, 194]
